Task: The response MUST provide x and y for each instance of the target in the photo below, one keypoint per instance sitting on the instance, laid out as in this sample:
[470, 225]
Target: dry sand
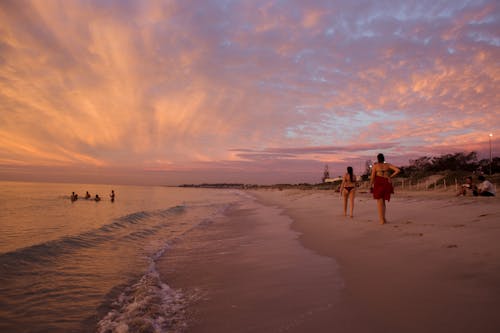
[435, 267]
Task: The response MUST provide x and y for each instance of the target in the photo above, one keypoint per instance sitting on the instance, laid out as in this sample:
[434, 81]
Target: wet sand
[291, 262]
[250, 273]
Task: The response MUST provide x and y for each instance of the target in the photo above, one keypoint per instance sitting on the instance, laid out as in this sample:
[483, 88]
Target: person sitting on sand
[74, 196]
[380, 182]
[87, 195]
[468, 189]
[97, 198]
[486, 188]
[348, 190]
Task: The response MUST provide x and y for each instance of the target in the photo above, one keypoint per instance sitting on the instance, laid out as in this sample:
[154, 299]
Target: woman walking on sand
[381, 185]
[348, 190]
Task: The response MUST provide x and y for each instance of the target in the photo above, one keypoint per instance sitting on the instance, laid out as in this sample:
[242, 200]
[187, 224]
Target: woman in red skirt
[381, 185]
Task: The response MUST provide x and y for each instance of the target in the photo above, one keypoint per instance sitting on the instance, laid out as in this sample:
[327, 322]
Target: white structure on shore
[332, 180]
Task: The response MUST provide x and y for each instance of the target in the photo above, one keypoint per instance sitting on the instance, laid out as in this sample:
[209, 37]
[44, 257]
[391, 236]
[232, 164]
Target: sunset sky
[257, 91]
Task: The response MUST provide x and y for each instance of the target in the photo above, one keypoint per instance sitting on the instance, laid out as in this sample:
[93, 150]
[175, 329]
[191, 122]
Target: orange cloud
[161, 85]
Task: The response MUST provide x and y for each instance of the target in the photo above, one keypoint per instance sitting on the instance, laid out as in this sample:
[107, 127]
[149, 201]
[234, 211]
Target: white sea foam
[147, 306]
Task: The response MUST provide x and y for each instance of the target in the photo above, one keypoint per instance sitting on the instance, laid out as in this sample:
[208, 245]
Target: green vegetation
[451, 166]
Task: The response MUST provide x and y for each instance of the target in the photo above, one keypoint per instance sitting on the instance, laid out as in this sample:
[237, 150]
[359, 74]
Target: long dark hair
[351, 174]
[380, 158]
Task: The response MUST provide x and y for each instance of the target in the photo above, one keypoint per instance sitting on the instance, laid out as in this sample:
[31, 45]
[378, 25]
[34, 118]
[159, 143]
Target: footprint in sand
[459, 226]
[451, 246]
[418, 234]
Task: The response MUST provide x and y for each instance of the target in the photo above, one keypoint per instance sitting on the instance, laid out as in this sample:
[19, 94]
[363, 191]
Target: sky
[258, 91]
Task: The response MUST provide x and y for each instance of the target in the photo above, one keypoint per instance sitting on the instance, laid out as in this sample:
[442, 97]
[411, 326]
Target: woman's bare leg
[381, 210]
[384, 208]
[344, 195]
[351, 197]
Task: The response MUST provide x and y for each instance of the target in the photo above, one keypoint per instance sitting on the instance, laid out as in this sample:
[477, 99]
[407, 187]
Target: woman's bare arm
[395, 169]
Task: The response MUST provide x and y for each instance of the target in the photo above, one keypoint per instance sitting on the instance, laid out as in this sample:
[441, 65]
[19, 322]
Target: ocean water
[89, 266]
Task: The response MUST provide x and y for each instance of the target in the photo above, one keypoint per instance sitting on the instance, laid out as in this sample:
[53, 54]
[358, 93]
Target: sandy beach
[289, 261]
[434, 268]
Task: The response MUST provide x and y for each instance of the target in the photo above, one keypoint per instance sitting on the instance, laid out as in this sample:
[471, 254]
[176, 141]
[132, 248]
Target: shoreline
[435, 267]
[247, 272]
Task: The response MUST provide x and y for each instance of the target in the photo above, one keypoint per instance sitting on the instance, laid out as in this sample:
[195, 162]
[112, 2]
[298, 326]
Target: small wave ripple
[118, 228]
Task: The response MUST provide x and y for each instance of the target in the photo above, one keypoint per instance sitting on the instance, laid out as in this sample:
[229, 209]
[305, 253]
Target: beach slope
[435, 267]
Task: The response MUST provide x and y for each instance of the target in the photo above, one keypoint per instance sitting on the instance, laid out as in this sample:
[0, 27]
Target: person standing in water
[112, 195]
[380, 182]
[348, 190]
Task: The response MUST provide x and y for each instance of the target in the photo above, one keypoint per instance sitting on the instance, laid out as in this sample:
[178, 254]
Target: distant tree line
[215, 185]
[457, 163]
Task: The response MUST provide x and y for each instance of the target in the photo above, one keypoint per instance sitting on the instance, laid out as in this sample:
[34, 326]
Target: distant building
[326, 174]
[332, 180]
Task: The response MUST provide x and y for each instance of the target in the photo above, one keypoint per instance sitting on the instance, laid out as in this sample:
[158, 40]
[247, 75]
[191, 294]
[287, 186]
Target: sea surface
[86, 266]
